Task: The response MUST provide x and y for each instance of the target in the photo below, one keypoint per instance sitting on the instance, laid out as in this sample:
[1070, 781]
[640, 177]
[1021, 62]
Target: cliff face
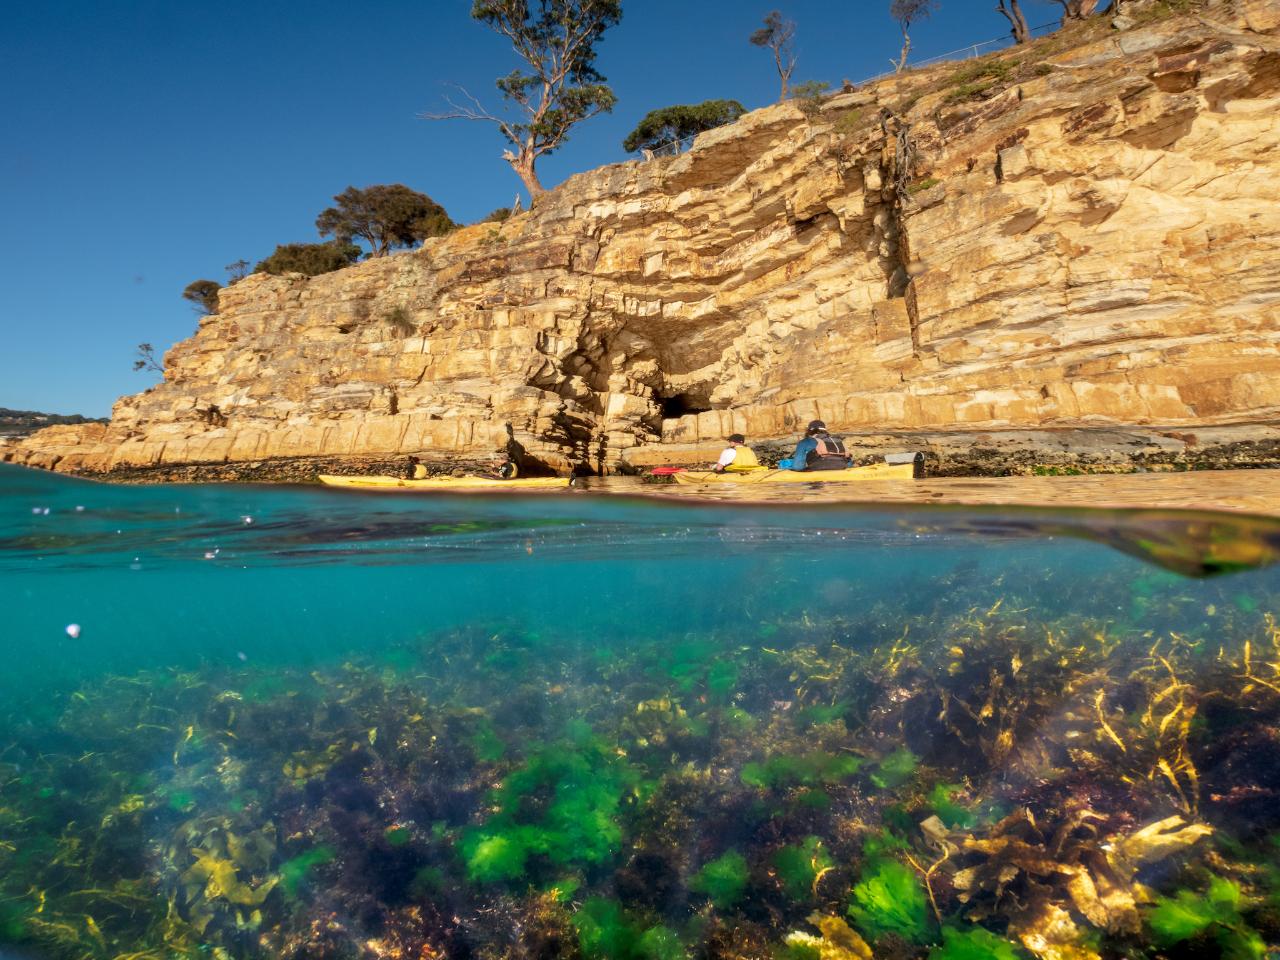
[1090, 234]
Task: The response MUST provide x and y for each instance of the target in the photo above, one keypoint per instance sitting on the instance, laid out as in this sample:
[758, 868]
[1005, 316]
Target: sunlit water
[255, 721]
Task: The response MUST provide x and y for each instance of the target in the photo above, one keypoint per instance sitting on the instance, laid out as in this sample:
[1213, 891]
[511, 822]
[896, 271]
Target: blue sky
[149, 143]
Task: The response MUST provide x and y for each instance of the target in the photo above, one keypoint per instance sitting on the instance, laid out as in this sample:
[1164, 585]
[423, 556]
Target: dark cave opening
[683, 405]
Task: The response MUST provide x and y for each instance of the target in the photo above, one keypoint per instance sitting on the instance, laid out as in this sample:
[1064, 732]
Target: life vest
[828, 454]
[744, 458]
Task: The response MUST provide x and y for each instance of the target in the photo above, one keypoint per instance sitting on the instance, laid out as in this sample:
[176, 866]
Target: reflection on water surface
[296, 723]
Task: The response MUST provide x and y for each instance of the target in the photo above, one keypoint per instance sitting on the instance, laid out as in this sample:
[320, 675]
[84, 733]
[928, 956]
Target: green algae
[606, 932]
[891, 899]
[800, 866]
[296, 871]
[954, 815]
[585, 783]
[723, 880]
[13, 925]
[975, 943]
[1188, 915]
[895, 769]
[809, 770]
[397, 836]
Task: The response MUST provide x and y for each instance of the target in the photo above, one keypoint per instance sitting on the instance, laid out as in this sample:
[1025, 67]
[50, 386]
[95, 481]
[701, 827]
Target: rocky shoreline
[991, 453]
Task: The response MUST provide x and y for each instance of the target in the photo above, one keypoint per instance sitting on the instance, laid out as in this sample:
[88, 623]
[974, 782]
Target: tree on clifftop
[1017, 21]
[384, 216]
[779, 36]
[1076, 9]
[562, 87]
[664, 129]
[312, 259]
[906, 12]
[204, 294]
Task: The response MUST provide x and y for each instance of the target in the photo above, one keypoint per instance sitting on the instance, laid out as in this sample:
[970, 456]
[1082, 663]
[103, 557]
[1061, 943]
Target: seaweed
[606, 932]
[965, 781]
[802, 866]
[817, 768]
[891, 899]
[895, 769]
[974, 943]
[836, 942]
[580, 787]
[295, 871]
[723, 880]
[1189, 915]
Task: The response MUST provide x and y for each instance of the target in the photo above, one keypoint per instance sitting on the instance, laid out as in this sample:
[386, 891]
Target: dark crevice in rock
[683, 405]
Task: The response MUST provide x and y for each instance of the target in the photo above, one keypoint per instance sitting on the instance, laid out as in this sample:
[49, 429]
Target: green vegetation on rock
[664, 129]
[310, 259]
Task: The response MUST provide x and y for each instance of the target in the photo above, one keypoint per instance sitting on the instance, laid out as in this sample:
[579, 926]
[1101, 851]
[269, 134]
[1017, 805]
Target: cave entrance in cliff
[683, 405]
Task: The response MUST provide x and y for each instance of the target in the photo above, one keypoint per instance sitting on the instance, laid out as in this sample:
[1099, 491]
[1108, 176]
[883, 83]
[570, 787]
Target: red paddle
[667, 471]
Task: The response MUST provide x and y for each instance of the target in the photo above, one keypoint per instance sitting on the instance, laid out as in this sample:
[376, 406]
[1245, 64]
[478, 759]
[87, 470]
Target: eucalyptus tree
[779, 36]
[907, 12]
[559, 86]
[1076, 9]
[1017, 20]
[384, 216]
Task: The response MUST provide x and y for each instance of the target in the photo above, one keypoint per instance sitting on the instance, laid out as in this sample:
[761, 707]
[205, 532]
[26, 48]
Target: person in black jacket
[818, 450]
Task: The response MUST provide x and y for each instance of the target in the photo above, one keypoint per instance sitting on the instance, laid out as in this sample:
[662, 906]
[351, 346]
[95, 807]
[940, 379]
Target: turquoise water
[253, 721]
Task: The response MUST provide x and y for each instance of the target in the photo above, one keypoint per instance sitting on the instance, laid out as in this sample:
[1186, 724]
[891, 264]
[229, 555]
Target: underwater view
[247, 722]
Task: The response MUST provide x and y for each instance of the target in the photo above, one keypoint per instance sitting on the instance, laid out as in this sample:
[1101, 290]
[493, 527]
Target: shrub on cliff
[204, 294]
[309, 258]
[664, 129]
[384, 216]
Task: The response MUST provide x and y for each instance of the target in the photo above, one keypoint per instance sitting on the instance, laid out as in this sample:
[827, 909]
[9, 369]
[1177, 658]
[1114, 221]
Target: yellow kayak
[875, 471]
[444, 483]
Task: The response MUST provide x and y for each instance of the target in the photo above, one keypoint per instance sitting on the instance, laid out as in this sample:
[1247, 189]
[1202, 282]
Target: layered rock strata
[1085, 231]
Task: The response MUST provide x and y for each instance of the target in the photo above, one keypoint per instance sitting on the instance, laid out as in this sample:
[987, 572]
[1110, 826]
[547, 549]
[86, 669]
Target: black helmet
[816, 426]
[736, 438]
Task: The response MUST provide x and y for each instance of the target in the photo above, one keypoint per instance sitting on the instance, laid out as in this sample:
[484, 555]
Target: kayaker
[818, 450]
[737, 456]
[506, 468]
[415, 470]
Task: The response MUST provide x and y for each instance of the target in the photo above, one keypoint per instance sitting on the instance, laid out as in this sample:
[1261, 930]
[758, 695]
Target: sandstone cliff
[1083, 231]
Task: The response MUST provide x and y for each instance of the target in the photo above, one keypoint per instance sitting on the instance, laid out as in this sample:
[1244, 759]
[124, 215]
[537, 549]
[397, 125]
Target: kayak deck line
[445, 483]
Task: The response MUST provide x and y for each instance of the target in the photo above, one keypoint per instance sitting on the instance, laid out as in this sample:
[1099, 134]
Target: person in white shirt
[736, 456]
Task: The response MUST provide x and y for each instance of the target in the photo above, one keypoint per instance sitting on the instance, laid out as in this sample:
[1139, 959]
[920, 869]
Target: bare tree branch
[476, 112]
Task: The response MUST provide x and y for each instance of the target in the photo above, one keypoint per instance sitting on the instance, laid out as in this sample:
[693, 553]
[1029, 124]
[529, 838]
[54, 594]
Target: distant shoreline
[22, 423]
